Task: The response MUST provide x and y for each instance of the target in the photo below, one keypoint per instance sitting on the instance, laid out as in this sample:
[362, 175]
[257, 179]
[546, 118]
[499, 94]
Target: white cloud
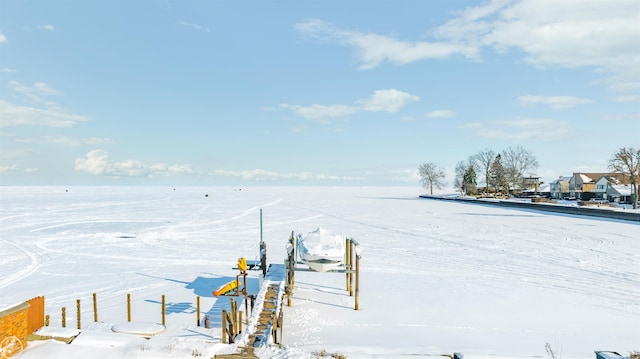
[373, 49]
[194, 26]
[15, 115]
[7, 70]
[525, 129]
[600, 34]
[12, 168]
[630, 98]
[440, 114]
[47, 27]
[555, 102]
[44, 112]
[97, 163]
[264, 175]
[471, 24]
[316, 112]
[603, 35]
[66, 140]
[12, 154]
[389, 100]
[45, 89]
[3, 38]
[35, 94]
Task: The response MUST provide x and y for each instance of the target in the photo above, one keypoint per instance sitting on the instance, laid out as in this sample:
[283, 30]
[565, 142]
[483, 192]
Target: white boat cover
[321, 250]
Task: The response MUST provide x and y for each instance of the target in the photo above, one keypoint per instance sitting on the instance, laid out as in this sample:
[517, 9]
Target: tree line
[505, 171]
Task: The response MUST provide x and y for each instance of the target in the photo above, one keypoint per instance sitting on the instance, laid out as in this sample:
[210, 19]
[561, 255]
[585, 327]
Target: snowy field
[437, 277]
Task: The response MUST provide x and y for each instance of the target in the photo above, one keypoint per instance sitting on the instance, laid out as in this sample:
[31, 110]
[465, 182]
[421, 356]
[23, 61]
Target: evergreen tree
[469, 181]
[497, 175]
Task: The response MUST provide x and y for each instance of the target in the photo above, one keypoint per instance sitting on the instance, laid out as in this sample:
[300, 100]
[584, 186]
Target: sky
[310, 93]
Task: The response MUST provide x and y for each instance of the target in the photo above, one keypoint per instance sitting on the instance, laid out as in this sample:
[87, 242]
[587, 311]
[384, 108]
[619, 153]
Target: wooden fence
[35, 314]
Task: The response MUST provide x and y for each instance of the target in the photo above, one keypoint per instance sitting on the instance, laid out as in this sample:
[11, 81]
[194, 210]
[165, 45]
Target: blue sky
[310, 92]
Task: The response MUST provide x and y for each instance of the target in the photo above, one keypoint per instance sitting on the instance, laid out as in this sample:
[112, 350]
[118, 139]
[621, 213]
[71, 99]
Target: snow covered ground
[437, 277]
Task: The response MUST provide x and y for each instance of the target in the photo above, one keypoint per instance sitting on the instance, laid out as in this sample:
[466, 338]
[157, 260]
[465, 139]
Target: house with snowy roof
[614, 189]
[559, 188]
[582, 186]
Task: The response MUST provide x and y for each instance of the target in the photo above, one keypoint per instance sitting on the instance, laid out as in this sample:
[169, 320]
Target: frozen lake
[436, 277]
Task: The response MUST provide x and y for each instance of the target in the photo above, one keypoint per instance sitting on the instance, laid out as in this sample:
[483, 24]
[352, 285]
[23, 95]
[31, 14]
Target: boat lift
[350, 266]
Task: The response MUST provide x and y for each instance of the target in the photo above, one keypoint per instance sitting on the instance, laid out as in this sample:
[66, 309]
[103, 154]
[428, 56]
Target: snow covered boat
[321, 250]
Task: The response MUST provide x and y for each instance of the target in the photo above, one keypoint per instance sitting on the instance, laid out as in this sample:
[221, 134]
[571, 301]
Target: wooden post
[233, 309]
[224, 326]
[281, 322]
[47, 319]
[78, 310]
[352, 248]
[357, 281]
[235, 318]
[232, 329]
[274, 327]
[347, 261]
[240, 321]
[163, 309]
[95, 308]
[198, 309]
[246, 308]
[128, 307]
[64, 317]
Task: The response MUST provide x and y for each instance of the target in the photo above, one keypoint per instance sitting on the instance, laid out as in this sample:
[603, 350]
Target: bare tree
[517, 161]
[431, 176]
[484, 160]
[465, 180]
[627, 162]
[458, 181]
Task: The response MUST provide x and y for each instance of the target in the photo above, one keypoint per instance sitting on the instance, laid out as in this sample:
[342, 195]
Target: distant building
[530, 186]
[613, 188]
[559, 188]
[582, 186]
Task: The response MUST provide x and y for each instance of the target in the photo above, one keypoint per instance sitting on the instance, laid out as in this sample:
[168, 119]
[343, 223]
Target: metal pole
[260, 225]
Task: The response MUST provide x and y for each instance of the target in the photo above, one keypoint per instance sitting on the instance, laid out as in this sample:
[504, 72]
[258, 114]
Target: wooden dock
[266, 317]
